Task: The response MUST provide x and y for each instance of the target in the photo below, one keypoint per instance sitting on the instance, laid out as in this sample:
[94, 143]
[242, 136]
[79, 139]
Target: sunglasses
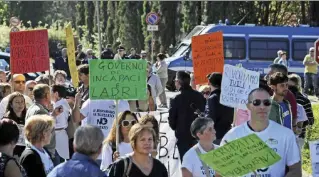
[126, 123]
[206, 93]
[258, 102]
[312, 51]
[19, 82]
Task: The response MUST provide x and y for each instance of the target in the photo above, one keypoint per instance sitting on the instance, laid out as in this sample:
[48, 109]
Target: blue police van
[254, 47]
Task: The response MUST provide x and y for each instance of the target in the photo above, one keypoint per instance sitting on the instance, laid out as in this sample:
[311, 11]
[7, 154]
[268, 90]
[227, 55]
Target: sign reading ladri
[118, 79]
[237, 83]
[241, 156]
[29, 51]
[208, 55]
[71, 55]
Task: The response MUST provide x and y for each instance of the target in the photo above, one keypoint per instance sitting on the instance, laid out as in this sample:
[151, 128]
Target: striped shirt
[305, 102]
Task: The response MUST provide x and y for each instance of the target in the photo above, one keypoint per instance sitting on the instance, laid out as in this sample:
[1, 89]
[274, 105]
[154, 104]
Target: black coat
[181, 115]
[222, 116]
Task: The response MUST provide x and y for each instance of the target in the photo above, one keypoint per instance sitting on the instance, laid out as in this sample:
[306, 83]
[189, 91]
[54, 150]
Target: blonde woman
[35, 159]
[139, 163]
[151, 121]
[205, 90]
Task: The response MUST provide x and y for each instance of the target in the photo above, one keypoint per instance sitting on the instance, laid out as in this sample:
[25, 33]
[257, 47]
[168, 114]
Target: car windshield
[181, 50]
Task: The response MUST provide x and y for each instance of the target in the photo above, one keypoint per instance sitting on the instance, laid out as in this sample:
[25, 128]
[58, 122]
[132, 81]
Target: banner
[208, 55]
[71, 55]
[314, 156]
[118, 79]
[29, 51]
[167, 148]
[237, 83]
[241, 156]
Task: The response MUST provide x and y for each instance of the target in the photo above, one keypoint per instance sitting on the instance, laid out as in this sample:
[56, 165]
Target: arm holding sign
[77, 116]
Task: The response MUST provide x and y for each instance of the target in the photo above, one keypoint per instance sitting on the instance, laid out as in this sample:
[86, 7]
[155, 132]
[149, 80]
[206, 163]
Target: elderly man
[279, 138]
[61, 63]
[311, 70]
[87, 144]
[18, 84]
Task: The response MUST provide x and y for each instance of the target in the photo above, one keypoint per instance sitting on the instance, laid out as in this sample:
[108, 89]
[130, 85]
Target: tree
[110, 22]
[32, 13]
[89, 19]
[190, 13]
[80, 17]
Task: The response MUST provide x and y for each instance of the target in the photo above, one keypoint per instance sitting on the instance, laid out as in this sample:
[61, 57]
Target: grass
[312, 134]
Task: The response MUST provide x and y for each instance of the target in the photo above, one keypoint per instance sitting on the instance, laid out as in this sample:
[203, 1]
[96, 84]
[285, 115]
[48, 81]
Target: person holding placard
[281, 139]
[203, 130]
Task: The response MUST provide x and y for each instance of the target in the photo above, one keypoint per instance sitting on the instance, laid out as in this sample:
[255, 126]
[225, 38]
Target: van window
[234, 48]
[266, 49]
[181, 50]
[300, 48]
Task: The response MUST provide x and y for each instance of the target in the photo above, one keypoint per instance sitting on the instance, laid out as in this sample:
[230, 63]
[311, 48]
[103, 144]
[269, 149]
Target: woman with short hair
[150, 120]
[35, 159]
[139, 163]
[9, 135]
[203, 130]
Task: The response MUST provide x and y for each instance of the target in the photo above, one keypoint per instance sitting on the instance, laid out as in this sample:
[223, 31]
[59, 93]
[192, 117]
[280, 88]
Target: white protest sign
[21, 141]
[237, 82]
[314, 155]
[168, 152]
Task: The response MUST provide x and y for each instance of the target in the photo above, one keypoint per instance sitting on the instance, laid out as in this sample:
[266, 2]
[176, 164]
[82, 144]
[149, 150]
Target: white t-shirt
[279, 138]
[62, 119]
[4, 103]
[193, 164]
[101, 113]
[46, 160]
[301, 114]
[107, 153]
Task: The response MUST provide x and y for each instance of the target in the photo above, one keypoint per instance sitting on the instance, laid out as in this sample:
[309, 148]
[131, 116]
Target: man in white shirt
[154, 81]
[281, 139]
[18, 85]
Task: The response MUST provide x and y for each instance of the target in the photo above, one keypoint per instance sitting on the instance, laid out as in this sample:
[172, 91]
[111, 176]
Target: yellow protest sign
[241, 156]
[71, 55]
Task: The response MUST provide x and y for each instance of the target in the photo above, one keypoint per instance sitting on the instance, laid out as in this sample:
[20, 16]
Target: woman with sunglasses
[125, 121]
[16, 111]
[205, 90]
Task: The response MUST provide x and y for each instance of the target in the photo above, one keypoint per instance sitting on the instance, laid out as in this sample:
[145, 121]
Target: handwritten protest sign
[237, 83]
[241, 156]
[208, 55]
[314, 156]
[71, 55]
[29, 51]
[118, 79]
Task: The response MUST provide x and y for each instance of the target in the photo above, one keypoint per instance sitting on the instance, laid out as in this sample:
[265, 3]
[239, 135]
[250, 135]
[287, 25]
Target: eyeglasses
[258, 102]
[126, 123]
[206, 93]
[312, 51]
[30, 88]
[19, 82]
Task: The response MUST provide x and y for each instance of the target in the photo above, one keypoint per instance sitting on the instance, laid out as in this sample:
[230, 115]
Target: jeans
[311, 80]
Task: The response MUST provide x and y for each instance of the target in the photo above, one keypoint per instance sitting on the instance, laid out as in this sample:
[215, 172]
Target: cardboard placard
[241, 156]
[118, 79]
[29, 51]
[71, 55]
[208, 55]
[237, 83]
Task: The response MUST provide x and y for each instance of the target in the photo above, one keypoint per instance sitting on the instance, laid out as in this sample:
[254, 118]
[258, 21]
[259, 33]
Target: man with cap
[143, 55]
[311, 70]
[120, 53]
[221, 115]
[182, 112]
[133, 54]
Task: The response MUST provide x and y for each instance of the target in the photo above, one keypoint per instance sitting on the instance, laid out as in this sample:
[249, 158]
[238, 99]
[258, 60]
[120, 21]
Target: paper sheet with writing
[71, 55]
[118, 79]
[21, 141]
[241, 156]
[314, 156]
[236, 85]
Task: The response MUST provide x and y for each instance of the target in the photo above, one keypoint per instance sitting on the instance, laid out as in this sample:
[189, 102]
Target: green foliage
[190, 15]
[312, 135]
[110, 22]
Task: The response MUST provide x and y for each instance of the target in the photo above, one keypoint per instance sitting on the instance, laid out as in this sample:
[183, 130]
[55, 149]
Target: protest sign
[167, 149]
[118, 79]
[314, 156]
[237, 83]
[71, 55]
[21, 141]
[241, 156]
[29, 51]
[208, 55]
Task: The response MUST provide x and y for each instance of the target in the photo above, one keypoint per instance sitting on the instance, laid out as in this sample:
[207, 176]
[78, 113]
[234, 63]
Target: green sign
[118, 79]
[241, 156]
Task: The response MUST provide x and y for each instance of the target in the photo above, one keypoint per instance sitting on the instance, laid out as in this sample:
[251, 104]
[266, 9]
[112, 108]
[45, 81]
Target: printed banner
[208, 55]
[71, 55]
[118, 79]
[21, 141]
[29, 51]
[314, 155]
[167, 148]
[241, 156]
[237, 83]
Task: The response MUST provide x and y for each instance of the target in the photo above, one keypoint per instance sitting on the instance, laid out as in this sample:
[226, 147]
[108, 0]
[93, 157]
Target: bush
[312, 135]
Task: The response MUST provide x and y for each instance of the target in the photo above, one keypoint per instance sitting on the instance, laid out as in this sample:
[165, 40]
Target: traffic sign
[152, 18]
[152, 27]
[14, 21]
[317, 50]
